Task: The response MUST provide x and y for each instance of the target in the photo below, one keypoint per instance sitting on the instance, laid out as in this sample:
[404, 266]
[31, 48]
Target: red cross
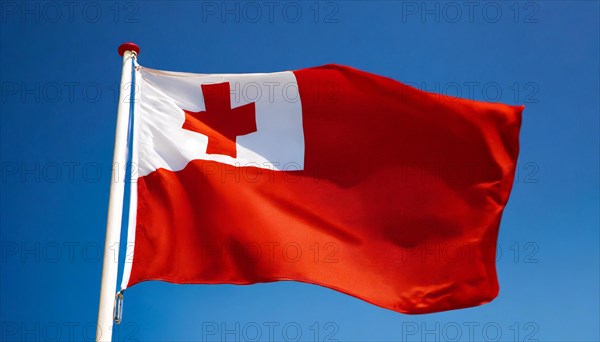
[221, 123]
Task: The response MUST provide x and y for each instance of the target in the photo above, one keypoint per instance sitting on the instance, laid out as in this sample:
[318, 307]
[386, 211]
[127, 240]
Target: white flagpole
[110, 265]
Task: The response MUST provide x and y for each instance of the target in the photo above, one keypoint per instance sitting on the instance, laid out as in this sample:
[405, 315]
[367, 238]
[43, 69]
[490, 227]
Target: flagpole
[110, 264]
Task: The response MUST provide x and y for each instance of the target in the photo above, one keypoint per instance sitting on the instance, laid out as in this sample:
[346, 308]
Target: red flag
[329, 175]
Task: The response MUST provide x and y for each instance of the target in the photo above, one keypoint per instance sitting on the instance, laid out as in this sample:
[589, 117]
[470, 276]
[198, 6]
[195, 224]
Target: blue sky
[59, 73]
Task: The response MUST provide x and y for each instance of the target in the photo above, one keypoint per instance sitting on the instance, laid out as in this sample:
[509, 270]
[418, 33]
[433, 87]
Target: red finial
[129, 46]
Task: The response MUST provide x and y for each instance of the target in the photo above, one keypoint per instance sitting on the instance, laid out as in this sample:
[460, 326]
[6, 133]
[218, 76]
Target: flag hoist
[110, 264]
